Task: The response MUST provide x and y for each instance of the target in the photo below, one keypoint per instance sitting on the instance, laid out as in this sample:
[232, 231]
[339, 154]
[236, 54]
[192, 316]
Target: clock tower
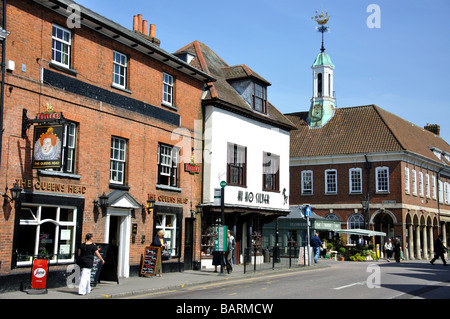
[323, 101]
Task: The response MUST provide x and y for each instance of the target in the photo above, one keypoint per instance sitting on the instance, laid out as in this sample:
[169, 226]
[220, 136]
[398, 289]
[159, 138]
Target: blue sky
[402, 66]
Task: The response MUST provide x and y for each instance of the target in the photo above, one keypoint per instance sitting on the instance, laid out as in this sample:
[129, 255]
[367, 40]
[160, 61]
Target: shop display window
[46, 232]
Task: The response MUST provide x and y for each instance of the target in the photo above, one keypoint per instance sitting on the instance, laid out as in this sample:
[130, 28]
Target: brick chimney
[433, 128]
[141, 27]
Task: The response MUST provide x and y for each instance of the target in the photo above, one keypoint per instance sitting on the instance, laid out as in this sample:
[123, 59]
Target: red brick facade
[29, 45]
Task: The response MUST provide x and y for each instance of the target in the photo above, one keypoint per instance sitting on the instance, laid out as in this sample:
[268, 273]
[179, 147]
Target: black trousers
[437, 255]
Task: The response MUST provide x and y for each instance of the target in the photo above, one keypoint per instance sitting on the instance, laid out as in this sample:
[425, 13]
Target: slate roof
[222, 94]
[362, 130]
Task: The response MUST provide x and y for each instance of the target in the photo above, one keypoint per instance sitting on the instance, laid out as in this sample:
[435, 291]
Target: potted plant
[342, 252]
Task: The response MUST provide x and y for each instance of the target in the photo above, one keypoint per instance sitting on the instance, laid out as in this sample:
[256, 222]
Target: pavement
[137, 285]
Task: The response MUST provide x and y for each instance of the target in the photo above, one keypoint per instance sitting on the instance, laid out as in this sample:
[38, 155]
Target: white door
[123, 240]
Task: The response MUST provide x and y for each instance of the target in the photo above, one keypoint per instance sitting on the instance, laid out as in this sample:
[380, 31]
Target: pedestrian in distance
[397, 249]
[230, 252]
[439, 250]
[388, 249]
[316, 243]
[85, 260]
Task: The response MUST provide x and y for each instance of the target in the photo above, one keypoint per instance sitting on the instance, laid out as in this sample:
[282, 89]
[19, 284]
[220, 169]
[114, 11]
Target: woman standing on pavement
[85, 260]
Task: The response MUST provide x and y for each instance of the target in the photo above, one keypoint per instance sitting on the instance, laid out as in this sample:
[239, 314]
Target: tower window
[319, 85]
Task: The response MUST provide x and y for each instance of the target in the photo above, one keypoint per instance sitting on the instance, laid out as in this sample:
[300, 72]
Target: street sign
[308, 211]
[223, 184]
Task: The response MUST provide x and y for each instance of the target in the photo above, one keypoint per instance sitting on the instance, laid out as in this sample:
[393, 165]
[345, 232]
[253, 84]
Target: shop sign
[191, 168]
[39, 274]
[52, 186]
[47, 146]
[249, 197]
[169, 199]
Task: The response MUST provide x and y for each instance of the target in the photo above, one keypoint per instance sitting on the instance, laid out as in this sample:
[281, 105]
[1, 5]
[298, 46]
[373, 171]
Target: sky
[391, 53]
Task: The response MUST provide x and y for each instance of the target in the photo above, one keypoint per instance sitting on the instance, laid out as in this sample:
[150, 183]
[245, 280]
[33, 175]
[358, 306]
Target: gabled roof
[362, 130]
[222, 94]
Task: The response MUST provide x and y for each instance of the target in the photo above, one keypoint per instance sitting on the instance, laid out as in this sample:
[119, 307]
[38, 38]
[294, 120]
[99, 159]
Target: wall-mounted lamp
[150, 205]
[15, 194]
[102, 202]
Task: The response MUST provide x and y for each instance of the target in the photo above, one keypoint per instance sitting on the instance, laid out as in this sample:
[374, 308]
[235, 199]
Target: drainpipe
[2, 93]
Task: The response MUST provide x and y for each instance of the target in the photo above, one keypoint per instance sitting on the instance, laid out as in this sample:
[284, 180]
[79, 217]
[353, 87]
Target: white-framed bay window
[46, 231]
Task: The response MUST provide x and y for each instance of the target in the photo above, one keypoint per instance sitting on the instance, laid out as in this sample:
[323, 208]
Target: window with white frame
[441, 191]
[447, 193]
[355, 180]
[118, 160]
[414, 182]
[307, 182]
[68, 150]
[382, 179]
[330, 181]
[61, 46]
[168, 223]
[168, 89]
[421, 184]
[427, 185]
[120, 69]
[46, 231]
[407, 182]
[355, 221]
[168, 165]
[433, 186]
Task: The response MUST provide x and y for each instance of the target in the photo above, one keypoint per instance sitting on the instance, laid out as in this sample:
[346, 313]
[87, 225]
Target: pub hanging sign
[47, 146]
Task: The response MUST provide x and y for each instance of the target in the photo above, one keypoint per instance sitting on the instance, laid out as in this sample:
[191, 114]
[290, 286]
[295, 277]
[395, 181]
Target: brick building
[340, 156]
[129, 112]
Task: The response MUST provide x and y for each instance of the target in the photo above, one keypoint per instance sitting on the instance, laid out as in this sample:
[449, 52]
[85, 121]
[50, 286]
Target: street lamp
[365, 205]
[150, 205]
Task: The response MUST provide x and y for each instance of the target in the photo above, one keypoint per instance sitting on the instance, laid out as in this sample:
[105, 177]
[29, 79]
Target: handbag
[165, 254]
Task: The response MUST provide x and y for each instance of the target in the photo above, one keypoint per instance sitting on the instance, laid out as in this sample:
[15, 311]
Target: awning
[361, 232]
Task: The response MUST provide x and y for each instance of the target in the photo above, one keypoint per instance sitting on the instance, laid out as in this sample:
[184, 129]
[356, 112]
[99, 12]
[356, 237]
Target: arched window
[356, 221]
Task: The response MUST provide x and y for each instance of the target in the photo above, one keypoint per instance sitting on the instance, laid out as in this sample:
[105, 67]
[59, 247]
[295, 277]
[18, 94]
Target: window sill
[63, 68]
[169, 188]
[169, 106]
[119, 186]
[43, 172]
[118, 87]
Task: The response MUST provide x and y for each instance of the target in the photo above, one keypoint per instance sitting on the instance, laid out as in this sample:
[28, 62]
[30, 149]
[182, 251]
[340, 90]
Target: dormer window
[259, 98]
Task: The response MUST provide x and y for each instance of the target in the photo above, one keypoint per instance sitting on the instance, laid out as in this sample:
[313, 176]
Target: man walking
[439, 250]
[316, 243]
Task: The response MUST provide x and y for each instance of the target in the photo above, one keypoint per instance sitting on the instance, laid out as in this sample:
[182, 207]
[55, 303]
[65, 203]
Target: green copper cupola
[323, 101]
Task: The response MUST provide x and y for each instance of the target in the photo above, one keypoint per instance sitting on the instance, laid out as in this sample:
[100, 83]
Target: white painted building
[246, 145]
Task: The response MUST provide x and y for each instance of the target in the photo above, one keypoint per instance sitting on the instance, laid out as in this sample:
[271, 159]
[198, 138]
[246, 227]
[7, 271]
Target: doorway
[117, 235]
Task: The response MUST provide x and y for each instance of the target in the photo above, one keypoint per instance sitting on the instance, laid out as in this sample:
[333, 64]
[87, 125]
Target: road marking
[350, 285]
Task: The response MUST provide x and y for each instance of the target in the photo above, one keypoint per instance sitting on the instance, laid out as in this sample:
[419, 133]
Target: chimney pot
[144, 27]
[135, 23]
[152, 31]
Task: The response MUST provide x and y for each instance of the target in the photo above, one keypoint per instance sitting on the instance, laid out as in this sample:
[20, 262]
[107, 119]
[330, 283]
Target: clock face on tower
[315, 114]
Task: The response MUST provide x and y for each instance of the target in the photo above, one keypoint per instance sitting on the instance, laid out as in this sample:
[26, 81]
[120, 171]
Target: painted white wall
[223, 127]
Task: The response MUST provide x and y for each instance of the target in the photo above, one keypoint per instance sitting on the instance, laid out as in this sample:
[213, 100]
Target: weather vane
[322, 20]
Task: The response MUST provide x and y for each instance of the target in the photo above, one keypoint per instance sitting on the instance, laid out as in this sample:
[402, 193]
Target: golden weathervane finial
[321, 18]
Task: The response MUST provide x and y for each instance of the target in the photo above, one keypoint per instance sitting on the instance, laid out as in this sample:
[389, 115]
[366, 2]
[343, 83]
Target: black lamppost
[365, 205]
